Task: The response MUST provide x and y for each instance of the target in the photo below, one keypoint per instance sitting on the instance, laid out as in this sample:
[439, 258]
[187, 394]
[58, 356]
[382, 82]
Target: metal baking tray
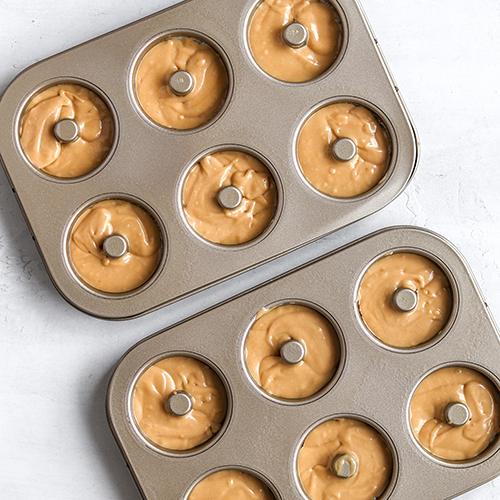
[148, 163]
[375, 384]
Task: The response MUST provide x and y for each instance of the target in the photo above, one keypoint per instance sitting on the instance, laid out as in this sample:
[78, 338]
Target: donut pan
[374, 383]
[148, 163]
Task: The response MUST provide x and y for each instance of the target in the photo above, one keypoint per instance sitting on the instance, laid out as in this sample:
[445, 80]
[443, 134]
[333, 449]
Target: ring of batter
[159, 382]
[156, 97]
[231, 484]
[283, 62]
[275, 327]
[331, 176]
[447, 386]
[67, 159]
[229, 226]
[345, 436]
[115, 275]
[411, 271]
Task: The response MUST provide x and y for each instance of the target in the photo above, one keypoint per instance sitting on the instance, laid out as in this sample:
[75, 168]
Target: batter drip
[159, 101]
[343, 179]
[231, 485]
[242, 224]
[412, 271]
[109, 274]
[288, 64]
[427, 413]
[174, 432]
[292, 322]
[72, 159]
[338, 437]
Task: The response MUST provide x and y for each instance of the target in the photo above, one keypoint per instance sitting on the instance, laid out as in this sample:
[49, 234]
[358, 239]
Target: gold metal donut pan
[374, 384]
[148, 164]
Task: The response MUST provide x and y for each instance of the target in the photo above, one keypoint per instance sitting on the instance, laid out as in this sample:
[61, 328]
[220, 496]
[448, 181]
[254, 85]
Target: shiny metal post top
[181, 83]
[229, 197]
[405, 299]
[67, 130]
[295, 35]
[292, 352]
[115, 246]
[179, 403]
[457, 414]
[344, 466]
[344, 149]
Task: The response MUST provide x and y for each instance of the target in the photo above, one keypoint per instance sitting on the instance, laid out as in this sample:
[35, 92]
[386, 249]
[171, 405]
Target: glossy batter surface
[343, 179]
[242, 224]
[231, 484]
[67, 159]
[292, 322]
[174, 432]
[455, 385]
[158, 100]
[337, 437]
[125, 273]
[405, 270]
[279, 60]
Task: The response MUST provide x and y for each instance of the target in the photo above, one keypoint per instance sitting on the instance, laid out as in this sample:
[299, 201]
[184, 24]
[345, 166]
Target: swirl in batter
[292, 322]
[221, 225]
[115, 275]
[338, 437]
[209, 403]
[405, 270]
[231, 484]
[427, 413]
[71, 159]
[343, 179]
[288, 64]
[158, 100]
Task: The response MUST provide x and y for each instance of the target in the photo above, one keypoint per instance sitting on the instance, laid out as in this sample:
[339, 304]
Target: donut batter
[250, 218]
[125, 273]
[345, 436]
[405, 270]
[288, 64]
[278, 325]
[455, 385]
[174, 432]
[158, 100]
[343, 179]
[71, 159]
[231, 484]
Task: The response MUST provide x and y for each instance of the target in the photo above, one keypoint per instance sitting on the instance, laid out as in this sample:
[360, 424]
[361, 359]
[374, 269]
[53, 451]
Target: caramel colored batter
[67, 159]
[158, 100]
[109, 274]
[242, 224]
[271, 330]
[288, 64]
[231, 485]
[174, 432]
[405, 270]
[343, 179]
[337, 437]
[455, 385]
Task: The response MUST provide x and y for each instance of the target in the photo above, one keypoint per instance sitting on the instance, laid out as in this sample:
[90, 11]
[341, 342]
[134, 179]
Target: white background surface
[55, 361]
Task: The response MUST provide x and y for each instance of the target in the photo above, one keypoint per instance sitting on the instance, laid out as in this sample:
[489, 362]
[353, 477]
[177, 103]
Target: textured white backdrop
[55, 361]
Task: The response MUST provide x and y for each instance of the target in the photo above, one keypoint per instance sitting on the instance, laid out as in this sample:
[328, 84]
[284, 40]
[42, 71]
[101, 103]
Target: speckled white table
[55, 361]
